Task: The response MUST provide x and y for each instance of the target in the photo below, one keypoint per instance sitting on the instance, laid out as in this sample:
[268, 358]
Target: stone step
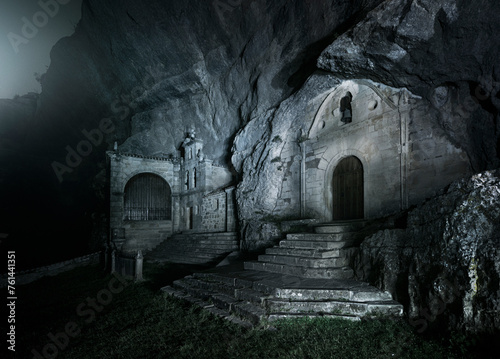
[317, 244]
[304, 272]
[361, 293]
[302, 252]
[235, 282]
[328, 237]
[216, 287]
[210, 307]
[313, 253]
[340, 226]
[361, 309]
[206, 244]
[278, 316]
[184, 259]
[202, 241]
[251, 295]
[206, 235]
[191, 287]
[251, 312]
[304, 262]
[223, 301]
[197, 253]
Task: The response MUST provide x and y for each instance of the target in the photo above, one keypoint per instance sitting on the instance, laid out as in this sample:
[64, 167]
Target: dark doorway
[190, 218]
[348, 196]
[148, 197]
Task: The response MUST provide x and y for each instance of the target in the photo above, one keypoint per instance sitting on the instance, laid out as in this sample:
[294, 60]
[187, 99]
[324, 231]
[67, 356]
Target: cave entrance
[348, 193]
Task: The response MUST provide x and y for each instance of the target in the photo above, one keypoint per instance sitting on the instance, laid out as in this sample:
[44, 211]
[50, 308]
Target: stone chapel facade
[152, 198]
[370, 151]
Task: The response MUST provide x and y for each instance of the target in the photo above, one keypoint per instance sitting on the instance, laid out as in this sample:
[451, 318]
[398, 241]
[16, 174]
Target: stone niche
[387, 155]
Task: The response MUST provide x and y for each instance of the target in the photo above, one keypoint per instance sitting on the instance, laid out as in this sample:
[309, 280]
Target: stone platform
[308, 274]
[195, 248]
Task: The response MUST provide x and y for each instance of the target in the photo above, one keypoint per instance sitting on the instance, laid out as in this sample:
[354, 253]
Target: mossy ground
[140, 322]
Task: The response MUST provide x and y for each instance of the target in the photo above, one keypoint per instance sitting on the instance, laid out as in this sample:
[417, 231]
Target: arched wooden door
[348, 193]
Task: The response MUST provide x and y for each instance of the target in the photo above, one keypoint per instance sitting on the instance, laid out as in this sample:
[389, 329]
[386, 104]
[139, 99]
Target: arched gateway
[148, 197]
[348, 193]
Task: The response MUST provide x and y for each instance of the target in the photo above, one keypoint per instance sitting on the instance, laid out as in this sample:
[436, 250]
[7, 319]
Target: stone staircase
[327, 253]
[308, 274]
[195, 248]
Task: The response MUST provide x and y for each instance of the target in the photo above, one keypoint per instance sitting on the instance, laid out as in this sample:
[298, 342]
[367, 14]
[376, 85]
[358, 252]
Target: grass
[140, 322]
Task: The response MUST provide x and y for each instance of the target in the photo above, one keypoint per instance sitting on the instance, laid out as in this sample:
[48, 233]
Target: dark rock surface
[444, 267]
[243, 72]
[437, 49]
[440, 50]
[159, 67]
[155, 68]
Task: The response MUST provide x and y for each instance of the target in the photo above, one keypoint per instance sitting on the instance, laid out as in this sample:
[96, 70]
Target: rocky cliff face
[243, 73]
[159, 67]
[445, 266]
[156, 68]
[442, 50]
[439, 50]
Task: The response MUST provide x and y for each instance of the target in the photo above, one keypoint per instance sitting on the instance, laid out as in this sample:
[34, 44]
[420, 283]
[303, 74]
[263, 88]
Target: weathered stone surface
[162, 66]
[445, 266]
[157, 67]
[267, 296]
[440, 50]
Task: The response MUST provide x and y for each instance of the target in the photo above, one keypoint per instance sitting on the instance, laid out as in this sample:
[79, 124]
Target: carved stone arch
[138, 172]
[354, 87]
[147, 197]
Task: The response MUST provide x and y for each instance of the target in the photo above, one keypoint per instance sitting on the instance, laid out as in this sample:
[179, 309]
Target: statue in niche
[191, 135]
[200, 155]
[345, 108]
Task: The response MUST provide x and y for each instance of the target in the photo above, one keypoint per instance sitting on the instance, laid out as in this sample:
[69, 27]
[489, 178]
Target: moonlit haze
[28, 31]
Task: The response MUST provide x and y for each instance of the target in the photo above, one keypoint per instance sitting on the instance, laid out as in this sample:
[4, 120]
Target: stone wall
[31, 275]
[213, 212]
[143, 235]
[405, 159]
[217, 211]
[444, 267]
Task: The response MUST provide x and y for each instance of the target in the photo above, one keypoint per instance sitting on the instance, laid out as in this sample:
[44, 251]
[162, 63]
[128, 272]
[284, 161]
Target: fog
[29, 29]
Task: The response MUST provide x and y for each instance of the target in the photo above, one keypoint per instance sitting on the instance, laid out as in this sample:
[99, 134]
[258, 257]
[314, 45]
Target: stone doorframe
[335, 158]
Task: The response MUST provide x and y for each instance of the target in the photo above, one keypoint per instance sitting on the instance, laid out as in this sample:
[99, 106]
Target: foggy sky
[17, 68]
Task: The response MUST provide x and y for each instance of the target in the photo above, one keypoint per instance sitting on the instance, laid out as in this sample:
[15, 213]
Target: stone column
[303, 180]
[113, 261]
[106, 256]
[230, 216]
[404, 113]
[139, 259]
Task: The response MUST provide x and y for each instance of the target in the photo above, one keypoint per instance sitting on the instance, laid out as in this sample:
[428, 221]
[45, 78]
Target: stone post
[302, 198]
[139, 259]
[113, 261]
[106, 255]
